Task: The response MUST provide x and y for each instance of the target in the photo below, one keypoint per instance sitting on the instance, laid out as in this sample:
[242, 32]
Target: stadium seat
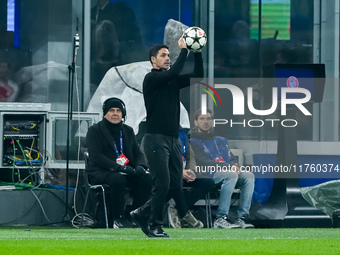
[97, 188]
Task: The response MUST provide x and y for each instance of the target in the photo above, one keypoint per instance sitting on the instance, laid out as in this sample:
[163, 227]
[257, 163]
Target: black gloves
[127, 170]
[139, 171]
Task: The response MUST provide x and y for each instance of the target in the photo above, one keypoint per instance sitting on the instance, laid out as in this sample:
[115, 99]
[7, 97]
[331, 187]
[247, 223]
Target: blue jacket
[211, 150]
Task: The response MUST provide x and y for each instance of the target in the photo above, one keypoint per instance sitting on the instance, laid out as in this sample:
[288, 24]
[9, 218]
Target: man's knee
[230, 182]
[231, 177]
[248, 177]
[116, 181]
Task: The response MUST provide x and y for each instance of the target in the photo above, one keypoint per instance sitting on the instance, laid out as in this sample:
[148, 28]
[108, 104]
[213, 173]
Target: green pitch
[49, 240]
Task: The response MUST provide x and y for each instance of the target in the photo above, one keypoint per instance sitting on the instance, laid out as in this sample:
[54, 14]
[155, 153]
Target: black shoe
[134, 224]
[157, 232]
[122, 223]
[142, 221]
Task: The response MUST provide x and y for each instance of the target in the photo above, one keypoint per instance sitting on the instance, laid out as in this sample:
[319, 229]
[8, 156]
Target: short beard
[203, 131]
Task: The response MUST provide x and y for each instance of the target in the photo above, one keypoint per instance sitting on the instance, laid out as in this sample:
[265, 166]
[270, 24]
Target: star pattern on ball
[195, 38]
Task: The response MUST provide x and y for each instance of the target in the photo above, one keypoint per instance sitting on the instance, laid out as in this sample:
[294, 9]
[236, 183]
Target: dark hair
[155, 49]
[198, 113]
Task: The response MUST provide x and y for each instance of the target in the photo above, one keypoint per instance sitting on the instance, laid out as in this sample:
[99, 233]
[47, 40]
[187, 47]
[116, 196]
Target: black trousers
[140, 190]
[165, 163]
[200, 187]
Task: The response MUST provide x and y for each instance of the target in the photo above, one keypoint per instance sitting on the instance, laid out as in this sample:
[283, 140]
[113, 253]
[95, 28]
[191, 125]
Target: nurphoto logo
[282, 98]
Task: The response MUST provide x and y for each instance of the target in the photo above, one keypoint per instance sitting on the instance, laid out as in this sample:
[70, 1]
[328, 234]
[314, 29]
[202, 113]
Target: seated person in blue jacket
[212, 152]
[199, 187]
[116, 159]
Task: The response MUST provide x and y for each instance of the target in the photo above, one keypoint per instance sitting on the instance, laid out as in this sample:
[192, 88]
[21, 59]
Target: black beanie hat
[114, 102]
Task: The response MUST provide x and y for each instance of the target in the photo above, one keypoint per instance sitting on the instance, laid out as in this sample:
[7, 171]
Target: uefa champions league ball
[195, 38]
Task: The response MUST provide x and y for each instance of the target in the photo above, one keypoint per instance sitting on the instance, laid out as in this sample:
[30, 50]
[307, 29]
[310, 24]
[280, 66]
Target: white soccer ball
[195, 38]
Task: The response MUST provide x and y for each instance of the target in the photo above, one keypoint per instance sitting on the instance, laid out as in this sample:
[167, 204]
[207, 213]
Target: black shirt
[161, 90]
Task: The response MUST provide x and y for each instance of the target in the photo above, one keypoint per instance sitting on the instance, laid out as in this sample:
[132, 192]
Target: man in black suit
[115, 159]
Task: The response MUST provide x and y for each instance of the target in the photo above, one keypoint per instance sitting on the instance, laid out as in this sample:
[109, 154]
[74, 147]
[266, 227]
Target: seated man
[115, 159]
[211, 150]
[200, 185]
